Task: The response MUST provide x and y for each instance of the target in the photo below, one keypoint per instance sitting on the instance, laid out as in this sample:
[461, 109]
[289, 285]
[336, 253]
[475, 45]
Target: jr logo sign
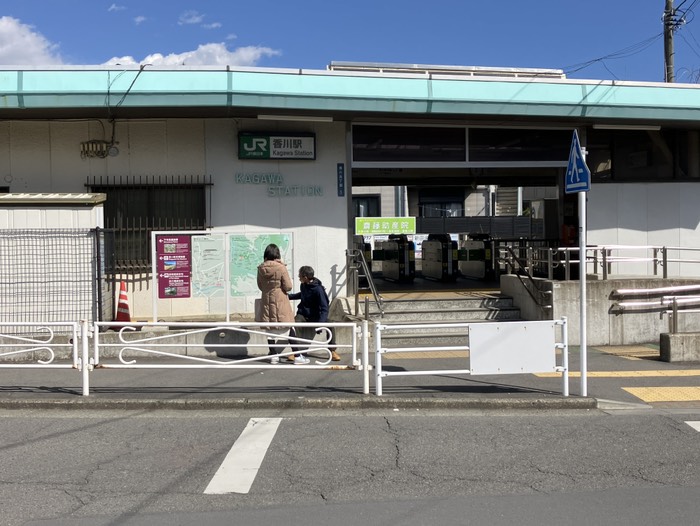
[296, 146]
[251, 147]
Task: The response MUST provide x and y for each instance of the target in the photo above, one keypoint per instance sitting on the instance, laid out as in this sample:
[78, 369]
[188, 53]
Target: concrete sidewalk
[294, 387]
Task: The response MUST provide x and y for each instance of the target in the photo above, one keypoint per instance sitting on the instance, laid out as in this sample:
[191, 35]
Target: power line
[622, 53]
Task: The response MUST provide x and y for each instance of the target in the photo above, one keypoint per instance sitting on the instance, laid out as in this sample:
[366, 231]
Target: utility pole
[669, 27]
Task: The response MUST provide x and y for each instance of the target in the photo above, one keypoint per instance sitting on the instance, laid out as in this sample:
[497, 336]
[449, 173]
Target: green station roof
[409, 93]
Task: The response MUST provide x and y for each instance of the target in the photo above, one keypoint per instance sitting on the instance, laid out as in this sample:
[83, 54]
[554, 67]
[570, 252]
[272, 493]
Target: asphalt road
[406, 467]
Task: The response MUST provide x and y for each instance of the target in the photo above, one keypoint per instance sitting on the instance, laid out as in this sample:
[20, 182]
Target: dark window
[408, 144]
[639, 155]
[518, 145]
[132, 211]
[441, 209]
[366, 206]
[441, 202]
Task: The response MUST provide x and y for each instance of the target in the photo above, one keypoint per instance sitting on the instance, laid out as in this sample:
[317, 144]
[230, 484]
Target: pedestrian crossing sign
[578, 176]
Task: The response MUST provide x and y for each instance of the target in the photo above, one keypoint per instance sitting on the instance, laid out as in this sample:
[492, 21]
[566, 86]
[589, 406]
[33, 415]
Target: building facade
[261, 151]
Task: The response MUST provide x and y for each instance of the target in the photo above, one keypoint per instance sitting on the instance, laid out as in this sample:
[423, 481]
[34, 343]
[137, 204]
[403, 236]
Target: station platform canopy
[345, 91]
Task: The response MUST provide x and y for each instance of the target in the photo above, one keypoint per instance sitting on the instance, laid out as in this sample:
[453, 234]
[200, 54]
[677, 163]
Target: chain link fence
[51, 275]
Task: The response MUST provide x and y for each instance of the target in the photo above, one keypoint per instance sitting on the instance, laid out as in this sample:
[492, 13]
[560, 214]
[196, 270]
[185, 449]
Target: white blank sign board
[512, 347]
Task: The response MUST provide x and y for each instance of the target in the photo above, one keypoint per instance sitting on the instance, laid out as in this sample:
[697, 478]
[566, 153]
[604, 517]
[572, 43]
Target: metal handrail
[542, 302]
[357, 257]
[668, 300]
[603, 257]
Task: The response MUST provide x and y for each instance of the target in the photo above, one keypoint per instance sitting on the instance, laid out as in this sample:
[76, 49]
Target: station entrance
[471, 190]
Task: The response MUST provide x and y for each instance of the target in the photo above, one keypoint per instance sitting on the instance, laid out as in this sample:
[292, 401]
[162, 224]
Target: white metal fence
[494, 348]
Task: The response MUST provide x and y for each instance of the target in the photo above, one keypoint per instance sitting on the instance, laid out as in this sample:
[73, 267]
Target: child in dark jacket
[313, 307]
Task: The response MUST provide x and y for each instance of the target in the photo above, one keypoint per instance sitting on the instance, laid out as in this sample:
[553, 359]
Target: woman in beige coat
[275, 283]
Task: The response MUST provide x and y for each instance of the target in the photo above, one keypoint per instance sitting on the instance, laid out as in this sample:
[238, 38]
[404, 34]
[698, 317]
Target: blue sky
[561, 34]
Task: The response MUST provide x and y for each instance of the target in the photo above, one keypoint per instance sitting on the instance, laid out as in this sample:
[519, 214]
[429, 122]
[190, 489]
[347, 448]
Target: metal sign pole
[578, 180]
[582, 287]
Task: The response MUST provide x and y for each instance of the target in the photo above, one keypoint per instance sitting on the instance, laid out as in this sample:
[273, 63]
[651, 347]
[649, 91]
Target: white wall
[36, 216]
[643, 214]
[45, 157]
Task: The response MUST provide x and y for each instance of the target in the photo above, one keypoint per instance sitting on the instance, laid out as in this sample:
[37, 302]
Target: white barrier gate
[494, 348]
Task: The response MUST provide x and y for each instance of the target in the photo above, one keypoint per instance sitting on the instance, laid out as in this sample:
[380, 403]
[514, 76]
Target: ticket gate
[359, 243]
[440, 257]
[398, 257]
[476, 258]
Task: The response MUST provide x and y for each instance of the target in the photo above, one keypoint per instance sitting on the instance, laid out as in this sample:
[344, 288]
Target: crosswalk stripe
[695, 424]
[240, 467]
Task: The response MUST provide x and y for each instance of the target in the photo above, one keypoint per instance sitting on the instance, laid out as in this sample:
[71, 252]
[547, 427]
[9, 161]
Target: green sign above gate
[369, 226]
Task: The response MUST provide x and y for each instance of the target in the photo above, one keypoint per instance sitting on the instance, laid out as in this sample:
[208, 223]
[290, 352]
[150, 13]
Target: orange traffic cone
[123, 305]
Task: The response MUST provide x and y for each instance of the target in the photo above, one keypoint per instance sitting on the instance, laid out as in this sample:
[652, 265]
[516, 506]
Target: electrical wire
[687, 16]
[622, 53]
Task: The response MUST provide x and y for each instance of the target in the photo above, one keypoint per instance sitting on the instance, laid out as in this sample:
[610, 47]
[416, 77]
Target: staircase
[422, 309]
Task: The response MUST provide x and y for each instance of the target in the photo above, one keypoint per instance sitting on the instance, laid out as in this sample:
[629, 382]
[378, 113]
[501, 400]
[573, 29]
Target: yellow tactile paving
[631, 352]
[665, 394]
[627, 374]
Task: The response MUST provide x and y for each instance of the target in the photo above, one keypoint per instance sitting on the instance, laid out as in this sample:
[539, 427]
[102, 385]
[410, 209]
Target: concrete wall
[43, 156]
[603, 327]
[680, 347]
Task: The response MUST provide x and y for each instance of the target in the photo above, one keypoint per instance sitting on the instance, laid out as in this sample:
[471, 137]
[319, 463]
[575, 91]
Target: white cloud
[115, 7]
[231, 36]
[139, 19]
[213, 25]
[190, 17]
[214, 54]
[20, 44]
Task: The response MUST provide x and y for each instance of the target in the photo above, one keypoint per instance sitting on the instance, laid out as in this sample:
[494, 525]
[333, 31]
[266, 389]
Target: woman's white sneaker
[301, 360]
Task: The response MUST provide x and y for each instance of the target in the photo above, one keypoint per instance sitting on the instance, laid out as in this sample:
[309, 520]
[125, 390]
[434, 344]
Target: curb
[356, 403]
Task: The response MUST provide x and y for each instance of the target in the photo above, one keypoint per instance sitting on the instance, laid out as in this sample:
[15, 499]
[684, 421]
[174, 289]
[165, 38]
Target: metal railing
[601, 260]
[173, 346]
[494, 348]
[520, 268]
[359, 269]
[666, 300]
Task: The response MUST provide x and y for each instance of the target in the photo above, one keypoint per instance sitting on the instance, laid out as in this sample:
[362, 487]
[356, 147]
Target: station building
[303, 152]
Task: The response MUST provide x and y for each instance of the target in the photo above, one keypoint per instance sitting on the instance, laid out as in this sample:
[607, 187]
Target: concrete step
[427, 338]
[442, 304]
[470, 308]
[451, 315]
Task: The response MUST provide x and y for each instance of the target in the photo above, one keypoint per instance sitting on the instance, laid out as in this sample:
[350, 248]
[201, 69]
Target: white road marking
[695, 424]
[240, 467]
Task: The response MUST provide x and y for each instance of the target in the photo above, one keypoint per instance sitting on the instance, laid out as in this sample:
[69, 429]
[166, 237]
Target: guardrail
[667, 300]
[494, 349]
[39, 344]
[601, 260]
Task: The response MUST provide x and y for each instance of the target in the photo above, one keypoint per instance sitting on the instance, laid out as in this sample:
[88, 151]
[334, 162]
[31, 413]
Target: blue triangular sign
[578, 176]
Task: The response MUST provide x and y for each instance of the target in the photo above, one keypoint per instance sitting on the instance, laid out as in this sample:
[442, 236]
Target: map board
[208, 266]
[246, 253]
